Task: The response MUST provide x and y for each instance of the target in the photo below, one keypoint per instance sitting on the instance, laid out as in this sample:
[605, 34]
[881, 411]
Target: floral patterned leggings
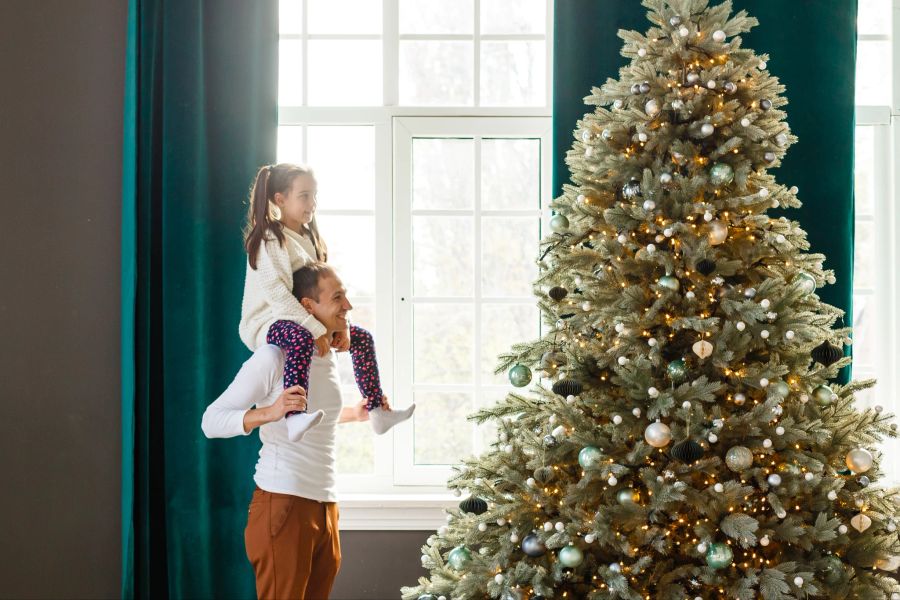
[299, 346]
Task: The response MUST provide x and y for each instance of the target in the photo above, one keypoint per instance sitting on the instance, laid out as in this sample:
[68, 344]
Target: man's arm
[231, 414]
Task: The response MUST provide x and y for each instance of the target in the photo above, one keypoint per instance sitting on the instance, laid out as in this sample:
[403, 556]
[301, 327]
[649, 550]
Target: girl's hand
[293, 398]
[341, 341]
[323, 345]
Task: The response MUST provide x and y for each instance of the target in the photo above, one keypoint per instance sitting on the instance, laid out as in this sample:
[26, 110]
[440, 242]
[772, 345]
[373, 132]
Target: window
[427, 123]
[877, 249]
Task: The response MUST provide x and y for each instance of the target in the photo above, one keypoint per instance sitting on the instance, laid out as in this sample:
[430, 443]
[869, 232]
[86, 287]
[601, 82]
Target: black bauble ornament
[550, 441]
[567, 387]
[765, 104]
[558, 293]
[631, 190]
[687, 451]
[705, 266]
[826, 353]
[473, 505]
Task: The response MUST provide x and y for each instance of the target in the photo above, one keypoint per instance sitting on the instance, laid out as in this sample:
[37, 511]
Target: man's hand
[291, 399]
[323, 345]
[341, 340]
[355, 413]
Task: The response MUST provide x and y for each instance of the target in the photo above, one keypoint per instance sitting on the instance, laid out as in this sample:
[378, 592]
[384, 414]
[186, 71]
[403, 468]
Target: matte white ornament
[651, 342]
[559, 526]
[548, 526]
[649, 204]
[740, 325]
[763, 65]
[570, 399]
[615, 567]
[711, 84]
[763, 192]
[501, 521]
[701, 547]
[808, 476]
[668, 232]
[789, 335]
[498, 578]
[779, 430]
[719, 488]
[798, 581]
[745, 122]
[642, 52]
[763, 382]
[703, 349]
[586, 305]
[617, 104]
[508, 449]
[692, 78]
[513, 537]
[781, 514]
[642, 137]
[622, 361]
[713, 438]
[560, 431]
[677, 104]
[683, 31]
[636, 411]
[651, 248]
[780, 238]
[739, 398]
[612, 480]
[589, 538]
[832, 495]
[620, 327]
[764, 334]
[686, 405]
[774, 479]
[804, 398]
[719, 35]
[665, 178]
[622, 238]
[707, 216]
[764, 540]
[842, 529]
[443, 530]
[617, 419]
[689, 295]
[482, 527]
[653, 392]
[765, 303]
[767, 443]
[861, 522]
[707, 129]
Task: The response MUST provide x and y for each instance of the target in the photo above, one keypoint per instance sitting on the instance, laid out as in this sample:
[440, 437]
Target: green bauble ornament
[805, 282]
[823, 395]
[721, 174]
[628, 496]
[833, 569]
[677, 370]
[559, 223]
[782, 389]
[520, 375]
[459, 557]
[571, 556]
[590, 457]
[719, 555]
[669, 282]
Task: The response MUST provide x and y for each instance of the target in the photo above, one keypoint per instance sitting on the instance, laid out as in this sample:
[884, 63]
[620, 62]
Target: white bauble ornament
[658, 434]
[652, 107]
[717, 233]
[718, 35]
[889, 563]
[859, 460]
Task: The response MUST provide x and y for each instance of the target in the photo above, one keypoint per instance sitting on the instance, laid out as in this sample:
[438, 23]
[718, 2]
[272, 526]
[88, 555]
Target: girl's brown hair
[261, 217]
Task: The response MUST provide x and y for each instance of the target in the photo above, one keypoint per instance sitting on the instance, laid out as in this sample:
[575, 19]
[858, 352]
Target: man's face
[332, 307]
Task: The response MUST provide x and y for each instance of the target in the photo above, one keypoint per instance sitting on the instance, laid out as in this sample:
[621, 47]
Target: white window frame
[377, 501]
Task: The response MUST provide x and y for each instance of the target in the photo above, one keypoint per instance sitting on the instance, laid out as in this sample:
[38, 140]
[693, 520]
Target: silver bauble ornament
[859, 460]
[738, 458]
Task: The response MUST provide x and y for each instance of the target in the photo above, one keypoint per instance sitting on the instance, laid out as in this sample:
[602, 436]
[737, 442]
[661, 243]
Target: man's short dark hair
[306, 280]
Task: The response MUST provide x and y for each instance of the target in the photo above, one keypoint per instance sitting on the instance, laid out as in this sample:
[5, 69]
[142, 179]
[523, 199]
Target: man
[292, 535]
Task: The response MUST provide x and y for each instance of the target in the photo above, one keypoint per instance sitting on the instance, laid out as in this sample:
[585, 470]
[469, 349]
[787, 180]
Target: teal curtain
[812, 45]
[200, 118]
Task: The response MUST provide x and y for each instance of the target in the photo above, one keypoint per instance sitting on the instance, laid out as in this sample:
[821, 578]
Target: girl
[281, 235]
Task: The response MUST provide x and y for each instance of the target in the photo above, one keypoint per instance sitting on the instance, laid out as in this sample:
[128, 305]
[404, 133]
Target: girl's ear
[278, 199]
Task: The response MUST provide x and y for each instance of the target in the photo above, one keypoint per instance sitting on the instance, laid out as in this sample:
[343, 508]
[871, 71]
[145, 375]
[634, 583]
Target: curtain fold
[200, 118]
[812, 45]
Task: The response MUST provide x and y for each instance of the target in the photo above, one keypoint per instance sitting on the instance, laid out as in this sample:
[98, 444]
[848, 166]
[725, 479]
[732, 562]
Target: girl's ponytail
[259, 216]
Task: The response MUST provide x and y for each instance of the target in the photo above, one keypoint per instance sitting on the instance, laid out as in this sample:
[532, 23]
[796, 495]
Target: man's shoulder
[268, 359]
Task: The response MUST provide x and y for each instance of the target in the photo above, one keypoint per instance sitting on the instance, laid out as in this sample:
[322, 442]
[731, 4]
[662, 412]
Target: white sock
[382, 420]
[299, 423]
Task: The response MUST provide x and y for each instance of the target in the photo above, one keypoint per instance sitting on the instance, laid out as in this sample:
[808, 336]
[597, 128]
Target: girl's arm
[231, 414]
[274, 267]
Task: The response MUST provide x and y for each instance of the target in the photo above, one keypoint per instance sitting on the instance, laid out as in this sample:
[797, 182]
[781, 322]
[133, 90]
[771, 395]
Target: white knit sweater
[267, 289]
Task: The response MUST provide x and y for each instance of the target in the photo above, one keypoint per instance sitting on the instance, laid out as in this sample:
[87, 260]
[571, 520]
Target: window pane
[873, 73]
[513, 74]
[290, 144]
[345, 16]
[290, 16]
[435, 73]
[864, 165]
[508, 248]
[328, 151]
[443, 173]
[443, 343]
[503, 325]
[345, 73]
[864, 254]
[351, 251]
[290, 73]
[865, 337]
[874, 17]
[443, 436]
[442, 256]
[513, 16]
[510, 174]
[487, 432]
[355, 448]
[437, 16]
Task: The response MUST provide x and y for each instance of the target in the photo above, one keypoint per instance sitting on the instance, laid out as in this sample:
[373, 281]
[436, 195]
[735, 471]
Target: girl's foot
[382, 419]
[301, 422]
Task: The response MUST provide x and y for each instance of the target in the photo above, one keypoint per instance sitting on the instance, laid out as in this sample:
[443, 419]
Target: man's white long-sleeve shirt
[305, 468]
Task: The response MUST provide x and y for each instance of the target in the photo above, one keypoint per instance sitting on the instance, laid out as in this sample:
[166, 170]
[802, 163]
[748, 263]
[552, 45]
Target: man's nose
[347, 305]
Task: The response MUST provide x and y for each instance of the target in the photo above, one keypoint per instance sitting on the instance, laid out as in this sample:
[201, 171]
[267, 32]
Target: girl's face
[298, 205]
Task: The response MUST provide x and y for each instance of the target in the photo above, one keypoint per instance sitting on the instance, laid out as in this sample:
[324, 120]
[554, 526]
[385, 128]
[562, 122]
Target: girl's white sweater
[267, 289]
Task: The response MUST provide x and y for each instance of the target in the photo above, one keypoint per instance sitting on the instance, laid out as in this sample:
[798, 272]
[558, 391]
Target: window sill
[394, 512]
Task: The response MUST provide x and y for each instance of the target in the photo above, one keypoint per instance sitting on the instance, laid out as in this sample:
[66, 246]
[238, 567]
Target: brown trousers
[293, 545]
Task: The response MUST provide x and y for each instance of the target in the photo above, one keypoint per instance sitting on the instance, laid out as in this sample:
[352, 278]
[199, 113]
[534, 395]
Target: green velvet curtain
[200, 118]
[812, 45]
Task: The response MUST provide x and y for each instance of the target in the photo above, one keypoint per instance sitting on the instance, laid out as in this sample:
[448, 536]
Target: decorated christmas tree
[679, 432]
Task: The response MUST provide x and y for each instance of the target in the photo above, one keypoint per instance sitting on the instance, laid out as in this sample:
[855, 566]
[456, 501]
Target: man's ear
[307, 303]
